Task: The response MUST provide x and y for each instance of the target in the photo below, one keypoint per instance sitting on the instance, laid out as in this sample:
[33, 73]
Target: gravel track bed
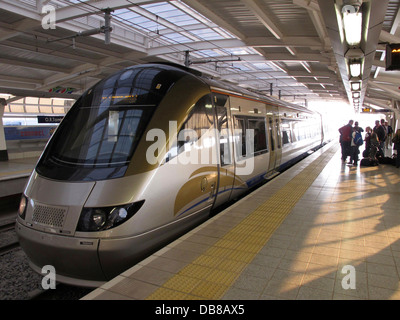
[19, 282]
[17, 279]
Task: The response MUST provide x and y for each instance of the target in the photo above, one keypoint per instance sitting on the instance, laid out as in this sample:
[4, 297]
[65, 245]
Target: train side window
[198, 123]
[260, 139]
[240, 137]
[243, 141]
[286, 132]
[286, 137]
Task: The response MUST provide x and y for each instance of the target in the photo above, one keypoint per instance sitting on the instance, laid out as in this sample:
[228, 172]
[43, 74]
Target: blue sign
[28, 133]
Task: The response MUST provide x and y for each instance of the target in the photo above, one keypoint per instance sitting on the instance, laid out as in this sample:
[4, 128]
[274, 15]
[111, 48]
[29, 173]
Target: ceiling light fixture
[355, 68]
[355, 86]
[352, 23]
[356, 94]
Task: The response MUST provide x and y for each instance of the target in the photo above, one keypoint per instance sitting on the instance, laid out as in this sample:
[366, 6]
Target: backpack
[358, 140]
[367, 162]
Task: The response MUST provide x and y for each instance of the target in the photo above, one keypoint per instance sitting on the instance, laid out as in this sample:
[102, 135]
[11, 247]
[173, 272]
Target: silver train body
[142, 157]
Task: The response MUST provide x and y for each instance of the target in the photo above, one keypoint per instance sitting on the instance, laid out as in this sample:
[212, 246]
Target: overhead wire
[168, 41]
[187, 45]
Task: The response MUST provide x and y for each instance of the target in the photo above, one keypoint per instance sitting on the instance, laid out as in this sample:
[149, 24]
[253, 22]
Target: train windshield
[98, 136]
[102, 135]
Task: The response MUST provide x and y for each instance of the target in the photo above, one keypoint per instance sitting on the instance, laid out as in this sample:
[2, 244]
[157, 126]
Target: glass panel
[32, 109]
[59, 110]
[100, 136]
[45, 109]
[46, 101]
[260, 141]
[240, 137]
[17, 108]
[31, 100]
[199, 121]
[58, 102]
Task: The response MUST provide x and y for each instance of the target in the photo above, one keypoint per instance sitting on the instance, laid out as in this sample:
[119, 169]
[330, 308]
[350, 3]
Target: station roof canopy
[292, 48]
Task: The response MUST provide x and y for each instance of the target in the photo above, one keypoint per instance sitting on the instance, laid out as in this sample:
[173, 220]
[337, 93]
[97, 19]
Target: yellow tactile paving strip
[211, 274]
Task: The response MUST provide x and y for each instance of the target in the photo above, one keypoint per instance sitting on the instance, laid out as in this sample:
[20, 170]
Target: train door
[275, 142]
[195, 153]
[278, 153]
[225, 149]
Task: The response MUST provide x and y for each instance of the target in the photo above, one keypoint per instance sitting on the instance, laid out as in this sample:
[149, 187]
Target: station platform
[14, 174]
[320, 230]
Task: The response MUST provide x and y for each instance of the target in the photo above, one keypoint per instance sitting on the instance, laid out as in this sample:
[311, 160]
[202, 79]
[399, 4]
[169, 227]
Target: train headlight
[22, 207]
[99, 219]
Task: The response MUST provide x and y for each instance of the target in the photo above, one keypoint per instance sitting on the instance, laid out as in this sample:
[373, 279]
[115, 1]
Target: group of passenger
[377, 139]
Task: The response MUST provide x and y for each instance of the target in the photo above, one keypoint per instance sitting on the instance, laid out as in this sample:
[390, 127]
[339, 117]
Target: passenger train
[145, 155]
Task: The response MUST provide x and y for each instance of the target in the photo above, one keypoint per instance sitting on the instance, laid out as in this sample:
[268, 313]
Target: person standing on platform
[374, 146]
[396, 141]
[389, 130]
[381, 133]
[359, 129]
[345, 139]
[367, 140]
[356, 142]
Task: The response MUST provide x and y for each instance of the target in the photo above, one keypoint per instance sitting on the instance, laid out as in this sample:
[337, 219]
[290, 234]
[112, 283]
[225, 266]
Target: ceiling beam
[383, 104]
[196, 46]
[309, 42]
[256, 42]
[266, 75]
[21, 79]
[30, 64]
[315, 15]
[395, 80]
[18, 7]
[389, 91]
[202, 9]
[46, 50]
[263, 17]
[12, 30]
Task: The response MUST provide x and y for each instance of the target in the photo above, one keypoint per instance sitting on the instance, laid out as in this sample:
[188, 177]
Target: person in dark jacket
[396, 141]
[381, 133]
[367, 139]
[345, 139]
[358, 128]
[374, 145]
[389, 130]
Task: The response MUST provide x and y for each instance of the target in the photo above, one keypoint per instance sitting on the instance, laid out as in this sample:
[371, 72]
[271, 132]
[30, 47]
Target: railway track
[8, 241]
[7, 226]
[8, 247]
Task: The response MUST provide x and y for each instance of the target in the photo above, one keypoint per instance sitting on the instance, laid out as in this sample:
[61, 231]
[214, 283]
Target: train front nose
[46, 230]
[75, 259]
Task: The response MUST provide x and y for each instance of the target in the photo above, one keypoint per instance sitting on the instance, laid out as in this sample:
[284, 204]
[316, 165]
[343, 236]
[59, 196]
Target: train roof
[236, 90]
